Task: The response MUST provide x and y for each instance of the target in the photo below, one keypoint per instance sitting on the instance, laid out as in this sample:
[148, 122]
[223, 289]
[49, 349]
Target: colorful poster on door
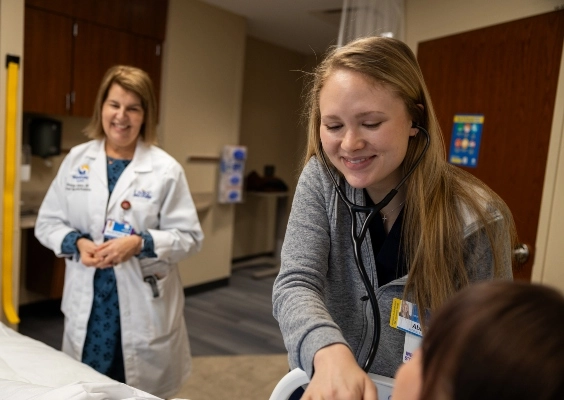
[466, 138]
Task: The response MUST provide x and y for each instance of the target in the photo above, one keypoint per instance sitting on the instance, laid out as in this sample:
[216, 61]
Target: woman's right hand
[338, 376]
[87, 249]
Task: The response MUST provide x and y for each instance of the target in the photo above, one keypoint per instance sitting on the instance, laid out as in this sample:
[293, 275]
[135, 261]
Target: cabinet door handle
[67, 101]
[158, 50]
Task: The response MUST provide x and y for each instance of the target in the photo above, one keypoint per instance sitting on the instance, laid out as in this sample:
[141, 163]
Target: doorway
[508, 73]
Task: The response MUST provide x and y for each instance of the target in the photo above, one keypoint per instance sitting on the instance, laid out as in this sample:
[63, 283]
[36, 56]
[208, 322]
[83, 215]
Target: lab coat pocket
[166, 304]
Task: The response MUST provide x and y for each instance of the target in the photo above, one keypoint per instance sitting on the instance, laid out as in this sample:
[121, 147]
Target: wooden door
[47, 62]
[509, 73]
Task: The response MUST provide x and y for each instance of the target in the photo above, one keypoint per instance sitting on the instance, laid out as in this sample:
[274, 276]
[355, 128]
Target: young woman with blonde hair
[436, 229]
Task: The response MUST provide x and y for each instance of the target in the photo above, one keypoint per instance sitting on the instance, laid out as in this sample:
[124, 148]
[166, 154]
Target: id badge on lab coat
[114, 229]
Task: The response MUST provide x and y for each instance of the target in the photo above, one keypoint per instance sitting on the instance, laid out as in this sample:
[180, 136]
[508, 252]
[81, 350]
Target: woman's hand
[338, 377]
[87, 249]
[118, 250]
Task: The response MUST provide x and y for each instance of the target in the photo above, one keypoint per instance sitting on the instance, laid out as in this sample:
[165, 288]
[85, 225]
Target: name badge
[114, 229]
[405, 317]
[411, 343]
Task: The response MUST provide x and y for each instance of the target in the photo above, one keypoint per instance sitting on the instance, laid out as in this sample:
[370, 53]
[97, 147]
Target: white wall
[549, 260]
[270, 128]
[202, 82]
[431, 19]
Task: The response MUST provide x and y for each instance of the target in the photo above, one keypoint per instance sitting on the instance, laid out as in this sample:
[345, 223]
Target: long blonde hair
[433, 222]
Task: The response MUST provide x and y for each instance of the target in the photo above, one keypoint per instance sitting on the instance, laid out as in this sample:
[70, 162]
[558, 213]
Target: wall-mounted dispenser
[231, 170]
[45, 136]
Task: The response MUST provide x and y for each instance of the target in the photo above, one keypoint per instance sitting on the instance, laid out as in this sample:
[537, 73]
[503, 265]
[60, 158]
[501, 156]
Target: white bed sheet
[31, 370]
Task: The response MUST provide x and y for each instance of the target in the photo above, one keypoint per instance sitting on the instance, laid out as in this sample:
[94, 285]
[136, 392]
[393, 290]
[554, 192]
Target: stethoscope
[357, 239]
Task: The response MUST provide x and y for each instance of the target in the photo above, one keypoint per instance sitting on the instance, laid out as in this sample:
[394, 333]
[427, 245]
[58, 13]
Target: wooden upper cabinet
[97, 48]
[147, 56]
[140, 17]
[47, 62]
[110, 13]
[148, 18]
[64, 7]
[65, 57]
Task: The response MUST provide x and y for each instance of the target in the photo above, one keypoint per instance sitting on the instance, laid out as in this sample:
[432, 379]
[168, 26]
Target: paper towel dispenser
[45, 137]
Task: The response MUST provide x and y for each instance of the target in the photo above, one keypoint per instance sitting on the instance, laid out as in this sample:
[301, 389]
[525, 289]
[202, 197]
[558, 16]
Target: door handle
[521, 253]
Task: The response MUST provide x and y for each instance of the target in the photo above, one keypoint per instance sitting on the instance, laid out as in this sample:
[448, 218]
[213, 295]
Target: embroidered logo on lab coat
[146, 194]
[82, 173]
[79, 179]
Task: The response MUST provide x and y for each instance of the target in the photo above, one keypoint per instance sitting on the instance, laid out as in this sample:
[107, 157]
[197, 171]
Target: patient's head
[494, 340]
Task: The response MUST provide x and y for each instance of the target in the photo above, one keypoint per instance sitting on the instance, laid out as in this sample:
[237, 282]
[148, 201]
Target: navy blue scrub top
[388, 252]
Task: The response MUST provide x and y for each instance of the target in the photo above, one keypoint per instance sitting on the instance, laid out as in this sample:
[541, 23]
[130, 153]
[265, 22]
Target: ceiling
[306, 26]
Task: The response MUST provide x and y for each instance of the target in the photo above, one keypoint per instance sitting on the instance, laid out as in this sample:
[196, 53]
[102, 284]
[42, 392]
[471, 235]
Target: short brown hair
[497, 340]
[134, 80]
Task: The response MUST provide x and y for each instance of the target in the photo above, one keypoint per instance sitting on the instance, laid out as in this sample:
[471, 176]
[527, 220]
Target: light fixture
[361, 18]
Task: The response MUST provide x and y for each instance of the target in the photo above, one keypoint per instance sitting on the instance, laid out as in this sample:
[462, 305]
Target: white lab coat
[154, 337]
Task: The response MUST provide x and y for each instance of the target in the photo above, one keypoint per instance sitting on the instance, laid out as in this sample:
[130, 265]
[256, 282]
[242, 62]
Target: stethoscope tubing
[357, 240]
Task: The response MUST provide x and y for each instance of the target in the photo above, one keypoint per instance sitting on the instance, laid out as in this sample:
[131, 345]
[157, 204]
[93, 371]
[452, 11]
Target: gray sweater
[317, 294]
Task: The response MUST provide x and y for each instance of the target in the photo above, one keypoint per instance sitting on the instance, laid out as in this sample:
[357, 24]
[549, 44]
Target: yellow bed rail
[12, 65]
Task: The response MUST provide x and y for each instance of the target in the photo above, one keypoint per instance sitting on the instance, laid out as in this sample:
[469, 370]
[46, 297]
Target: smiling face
[365, 130]
[122, 119]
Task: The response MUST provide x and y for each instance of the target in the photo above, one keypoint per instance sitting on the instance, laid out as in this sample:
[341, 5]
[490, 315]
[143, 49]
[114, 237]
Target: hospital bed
[30, 369]
[297, 377]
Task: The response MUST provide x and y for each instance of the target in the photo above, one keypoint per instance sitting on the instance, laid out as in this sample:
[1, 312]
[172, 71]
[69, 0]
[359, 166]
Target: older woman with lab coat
[121, 212]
